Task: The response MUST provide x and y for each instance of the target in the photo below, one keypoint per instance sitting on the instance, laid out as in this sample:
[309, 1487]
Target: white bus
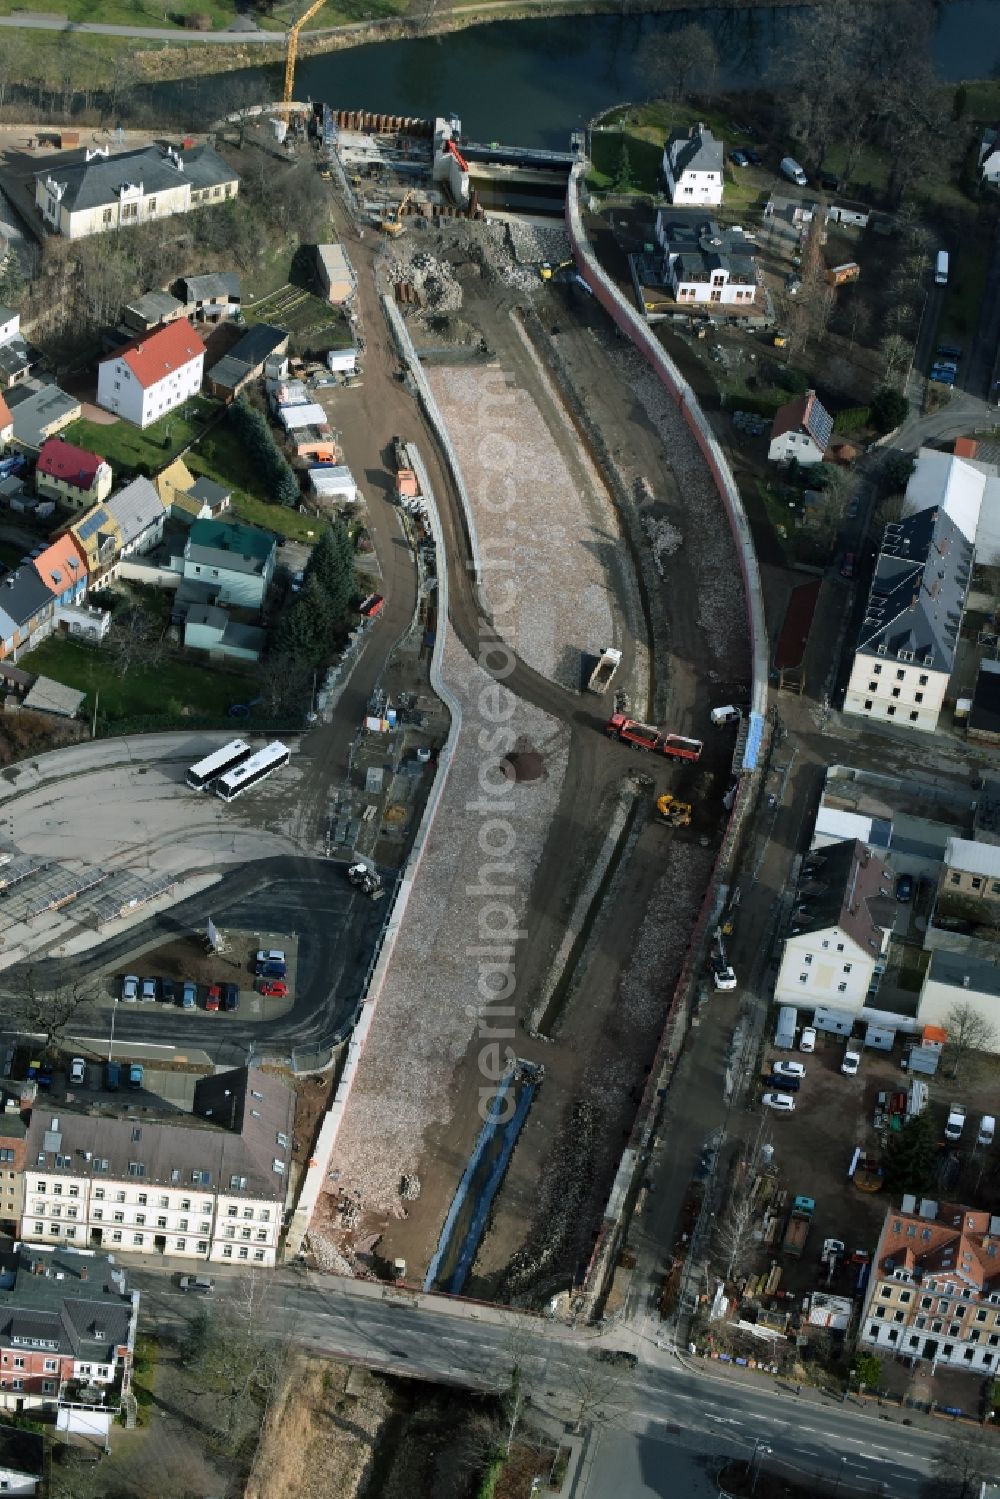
[259, 765]
[201, 776]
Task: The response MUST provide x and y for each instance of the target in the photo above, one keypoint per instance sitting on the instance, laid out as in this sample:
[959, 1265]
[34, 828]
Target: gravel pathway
[426, 1019]
[535, 525]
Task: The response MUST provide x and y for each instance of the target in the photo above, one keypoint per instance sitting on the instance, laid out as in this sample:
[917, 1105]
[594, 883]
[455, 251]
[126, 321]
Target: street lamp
[760, 1449]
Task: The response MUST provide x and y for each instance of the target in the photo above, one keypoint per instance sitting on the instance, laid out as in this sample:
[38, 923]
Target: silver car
[130, 989]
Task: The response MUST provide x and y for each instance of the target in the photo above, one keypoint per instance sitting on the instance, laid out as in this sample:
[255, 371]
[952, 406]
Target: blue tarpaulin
[755, 737]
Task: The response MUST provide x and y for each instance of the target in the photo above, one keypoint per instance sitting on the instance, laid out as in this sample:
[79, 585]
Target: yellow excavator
[392, 224]
[547, 270]
[292, 49]
[674, 813]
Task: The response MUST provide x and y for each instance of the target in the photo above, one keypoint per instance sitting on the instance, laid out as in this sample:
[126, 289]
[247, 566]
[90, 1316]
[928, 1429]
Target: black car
[617, 1356]
[230, 996]
[949, 351]
[783, 1084]
[831, 184]
[753, 157]
[270, 970]
[167, 993]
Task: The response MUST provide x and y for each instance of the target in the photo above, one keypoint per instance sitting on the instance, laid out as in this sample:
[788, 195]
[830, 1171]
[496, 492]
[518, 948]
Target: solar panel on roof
[92, 523]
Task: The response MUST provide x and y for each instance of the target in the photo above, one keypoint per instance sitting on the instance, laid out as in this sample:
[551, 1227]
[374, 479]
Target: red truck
[644, 736]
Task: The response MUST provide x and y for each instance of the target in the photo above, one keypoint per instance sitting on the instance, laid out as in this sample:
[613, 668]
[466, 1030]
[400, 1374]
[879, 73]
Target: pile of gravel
[533, 243]
[431, 277]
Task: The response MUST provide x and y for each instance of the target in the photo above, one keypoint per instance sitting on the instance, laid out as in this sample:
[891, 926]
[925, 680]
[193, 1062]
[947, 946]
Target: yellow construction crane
[292, 49]
[393, 223]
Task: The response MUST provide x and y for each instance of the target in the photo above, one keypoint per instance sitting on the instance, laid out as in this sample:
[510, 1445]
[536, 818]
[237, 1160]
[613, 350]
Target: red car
[849, 565]
[272, 988]
[372, 606]
[213, 999]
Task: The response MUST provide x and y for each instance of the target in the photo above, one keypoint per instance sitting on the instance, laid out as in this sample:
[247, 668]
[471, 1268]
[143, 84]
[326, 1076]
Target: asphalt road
[308, 898]
[645, 1425]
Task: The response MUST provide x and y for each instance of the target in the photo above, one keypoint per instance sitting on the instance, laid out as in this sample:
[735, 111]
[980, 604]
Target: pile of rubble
[533, 243]
[431, 278]
[664, 539]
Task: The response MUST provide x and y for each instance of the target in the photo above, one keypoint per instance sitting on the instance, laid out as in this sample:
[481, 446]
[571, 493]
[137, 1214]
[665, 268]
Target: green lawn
[645, 154]
[204, 689]
[124, 446]
[967, 275]
[144, 12]
[278, 518]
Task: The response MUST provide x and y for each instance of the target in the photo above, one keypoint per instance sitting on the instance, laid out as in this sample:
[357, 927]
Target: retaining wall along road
[635, 328]
[315, 1176]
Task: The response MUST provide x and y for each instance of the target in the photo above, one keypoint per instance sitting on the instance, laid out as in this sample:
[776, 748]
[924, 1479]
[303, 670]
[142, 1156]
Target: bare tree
[962, 1465]
[896, 352]
[681, 58]
[47, 1013]
[968, 1030]
[136, 639]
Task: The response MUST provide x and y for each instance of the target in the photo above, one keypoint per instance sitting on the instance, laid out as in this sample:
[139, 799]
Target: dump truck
[607, 664]
[797, 1229]
[651, 740]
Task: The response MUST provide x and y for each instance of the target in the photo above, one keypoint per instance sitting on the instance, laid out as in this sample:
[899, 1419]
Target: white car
[781, 1103]
[852, 1061]
[788, 1069]
[271, 955]
[807, 1041]
[725, 978]
[130, 989]
[77, 1070]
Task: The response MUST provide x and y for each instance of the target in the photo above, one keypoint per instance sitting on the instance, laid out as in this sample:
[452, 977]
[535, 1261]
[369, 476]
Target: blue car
[739, 158]
[943, 377]
[753, 157]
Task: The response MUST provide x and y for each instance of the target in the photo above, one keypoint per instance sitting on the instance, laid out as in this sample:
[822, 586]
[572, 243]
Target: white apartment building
[840, 929]
[208, 1186]
[705, 263]
[907, 643]
[693, 168]
[99, 192]
[153, 375]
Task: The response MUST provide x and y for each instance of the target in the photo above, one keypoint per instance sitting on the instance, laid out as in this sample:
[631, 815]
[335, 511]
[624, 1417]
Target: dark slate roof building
[918, 593]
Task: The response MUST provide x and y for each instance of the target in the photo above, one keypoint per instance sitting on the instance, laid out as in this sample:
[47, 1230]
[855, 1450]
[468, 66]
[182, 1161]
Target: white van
[728, 714]
[941, 268]
[987, 1129]
[791, 169]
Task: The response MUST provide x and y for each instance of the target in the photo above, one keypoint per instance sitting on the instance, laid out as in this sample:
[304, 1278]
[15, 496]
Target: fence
[635, 328]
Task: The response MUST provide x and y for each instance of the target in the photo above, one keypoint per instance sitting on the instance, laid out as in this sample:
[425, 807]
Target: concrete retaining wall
[635, 328]
[149, 574]
[316, 1172]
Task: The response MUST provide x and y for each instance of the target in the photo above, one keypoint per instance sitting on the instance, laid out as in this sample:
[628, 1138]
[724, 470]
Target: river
[531, 82]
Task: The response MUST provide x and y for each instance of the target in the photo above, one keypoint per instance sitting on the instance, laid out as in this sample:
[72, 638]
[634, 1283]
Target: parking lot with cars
[254, 975]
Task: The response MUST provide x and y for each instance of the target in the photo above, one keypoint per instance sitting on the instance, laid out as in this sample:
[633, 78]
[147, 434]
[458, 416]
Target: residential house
[693, 168]
[26, 604]
[211, 297]
[188, 499]
[934, 1287]
[989, 158]
[704, 264]
[72, 475]
[210, 1185]
[969, 978]
[236, 562]
[99, 541]
[22, 1461]
[99, 192]
[13, 1134]
[983, 725]
[67, 1333]
[965, 488]
[971, 869]
[245, 360]
[63, 569]
[151, 310]
[153, 375]
[39, 413]
[209, 628]
[835, 951]
[801, 430]
[6, 424]
[139, 513]
[15, 360]
[336, 275]
[905, 650]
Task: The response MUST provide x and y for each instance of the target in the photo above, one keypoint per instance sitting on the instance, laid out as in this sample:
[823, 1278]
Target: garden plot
[546, 538]
[419, 1072]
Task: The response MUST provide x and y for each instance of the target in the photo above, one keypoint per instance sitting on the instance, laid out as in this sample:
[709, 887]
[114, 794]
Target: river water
[531, 82]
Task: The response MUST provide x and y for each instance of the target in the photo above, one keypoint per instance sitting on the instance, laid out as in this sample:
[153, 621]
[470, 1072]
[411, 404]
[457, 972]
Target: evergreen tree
[624, 182]
[911, 1156]
[332, 567]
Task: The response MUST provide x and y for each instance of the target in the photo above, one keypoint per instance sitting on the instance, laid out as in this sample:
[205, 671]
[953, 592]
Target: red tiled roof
[61, 460]
[154, 355]
[965, 447]
[5, 417]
